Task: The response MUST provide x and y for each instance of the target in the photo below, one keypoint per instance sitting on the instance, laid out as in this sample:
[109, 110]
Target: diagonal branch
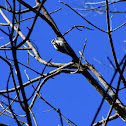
[31, 29]
[115, 116]
[83, 17]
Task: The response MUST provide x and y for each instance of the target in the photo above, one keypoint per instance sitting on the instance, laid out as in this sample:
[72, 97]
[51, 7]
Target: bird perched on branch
[64, 48]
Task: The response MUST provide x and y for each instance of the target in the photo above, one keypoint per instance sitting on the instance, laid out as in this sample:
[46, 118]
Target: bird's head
[53, 41]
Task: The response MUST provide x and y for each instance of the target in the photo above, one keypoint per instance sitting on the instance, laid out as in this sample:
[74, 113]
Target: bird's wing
[60, 46]
[64, 48]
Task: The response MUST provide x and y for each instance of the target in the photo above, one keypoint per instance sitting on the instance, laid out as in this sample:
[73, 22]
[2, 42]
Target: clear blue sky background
[71, 93]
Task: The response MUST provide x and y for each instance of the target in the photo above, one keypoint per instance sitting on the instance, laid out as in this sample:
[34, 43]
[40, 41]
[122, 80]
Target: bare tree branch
[115, 116]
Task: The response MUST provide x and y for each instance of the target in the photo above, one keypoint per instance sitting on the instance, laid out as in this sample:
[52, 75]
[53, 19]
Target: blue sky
[71, 93]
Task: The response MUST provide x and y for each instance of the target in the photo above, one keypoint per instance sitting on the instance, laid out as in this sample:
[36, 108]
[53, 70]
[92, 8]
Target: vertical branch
[116, 95]
[61, 121]
[13, 81]
[14, 53]
[21, 86]
[9, 106]
[111, 42]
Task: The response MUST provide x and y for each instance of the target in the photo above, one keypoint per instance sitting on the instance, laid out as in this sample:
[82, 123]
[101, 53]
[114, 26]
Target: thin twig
[116, 94]
[54, 73]
[13, 118]
[6, 109]
[38, 78]
[101, 6]
[37, 94]
[111, 23]
[119, 26]
[33, 116]
[83, 17]
[115, 116]
[5, 24]
[32, 26]
[16, 49]
[55, 11]
[76, 26]
[13, 78]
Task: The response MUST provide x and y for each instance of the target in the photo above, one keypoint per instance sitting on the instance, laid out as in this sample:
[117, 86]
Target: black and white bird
[60, 46]
[64, 48]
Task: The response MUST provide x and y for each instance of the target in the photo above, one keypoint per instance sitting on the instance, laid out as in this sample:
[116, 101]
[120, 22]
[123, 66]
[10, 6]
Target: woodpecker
[64, 48]
[60, 46]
